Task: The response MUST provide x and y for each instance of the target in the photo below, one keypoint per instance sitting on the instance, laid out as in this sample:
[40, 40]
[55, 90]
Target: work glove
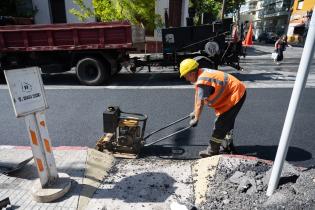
[193, 122]
[192, 115]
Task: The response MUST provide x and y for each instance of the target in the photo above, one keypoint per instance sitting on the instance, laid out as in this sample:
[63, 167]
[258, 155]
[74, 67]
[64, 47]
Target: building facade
[275, 16]
[252, 11]
[177, 12]
[266, 15]
[302, 11]
[57, 11]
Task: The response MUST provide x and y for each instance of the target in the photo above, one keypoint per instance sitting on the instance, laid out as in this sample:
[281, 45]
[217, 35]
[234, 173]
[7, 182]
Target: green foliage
[136, 11]
[214, 7]
[202, 6]
[205, 6]
[83, 13]
[233, 6]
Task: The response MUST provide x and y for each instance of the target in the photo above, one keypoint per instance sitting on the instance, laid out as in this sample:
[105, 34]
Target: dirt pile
[242, 184]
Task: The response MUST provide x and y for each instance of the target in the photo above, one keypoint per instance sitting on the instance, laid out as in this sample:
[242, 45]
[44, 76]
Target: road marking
[248, 85]
[133, 87]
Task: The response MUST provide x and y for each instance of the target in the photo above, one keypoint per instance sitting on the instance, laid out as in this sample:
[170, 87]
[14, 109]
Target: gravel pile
[243, 184]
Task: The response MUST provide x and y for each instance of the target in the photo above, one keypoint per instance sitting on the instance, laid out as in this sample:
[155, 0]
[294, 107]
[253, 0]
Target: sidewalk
[219, 182]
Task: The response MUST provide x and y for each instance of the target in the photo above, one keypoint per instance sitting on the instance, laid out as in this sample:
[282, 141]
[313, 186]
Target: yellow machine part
[128, 122]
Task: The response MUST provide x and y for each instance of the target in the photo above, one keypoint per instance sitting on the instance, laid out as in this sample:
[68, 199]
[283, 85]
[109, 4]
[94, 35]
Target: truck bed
[55, 37]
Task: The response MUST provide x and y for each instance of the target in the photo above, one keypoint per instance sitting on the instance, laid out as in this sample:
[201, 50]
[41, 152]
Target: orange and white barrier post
[41, 147]
[29, 101]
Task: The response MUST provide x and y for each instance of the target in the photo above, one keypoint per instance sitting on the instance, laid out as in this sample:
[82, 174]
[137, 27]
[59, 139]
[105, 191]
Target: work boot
[211, 150]
[229, 149]
[227, 144]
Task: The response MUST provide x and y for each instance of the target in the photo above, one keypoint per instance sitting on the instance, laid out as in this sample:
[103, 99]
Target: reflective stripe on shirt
[216, 81]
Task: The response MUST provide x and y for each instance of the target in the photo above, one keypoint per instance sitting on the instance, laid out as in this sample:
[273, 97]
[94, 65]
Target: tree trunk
[222, 10]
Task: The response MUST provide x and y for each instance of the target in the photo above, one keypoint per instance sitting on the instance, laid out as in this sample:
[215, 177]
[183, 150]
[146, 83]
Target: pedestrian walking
[280, 46]
[221, 91]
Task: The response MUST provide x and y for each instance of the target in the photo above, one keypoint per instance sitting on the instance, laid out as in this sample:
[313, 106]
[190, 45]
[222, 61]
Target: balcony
[252, 7]
[267, 2]
[272, 12]
[276, 14]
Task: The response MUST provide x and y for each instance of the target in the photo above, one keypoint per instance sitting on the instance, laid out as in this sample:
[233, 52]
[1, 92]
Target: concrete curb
[54, 148]
[205, 170]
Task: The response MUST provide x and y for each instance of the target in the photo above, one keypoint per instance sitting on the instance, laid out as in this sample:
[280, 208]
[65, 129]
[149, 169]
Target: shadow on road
[250, 51]
[180, 147]
[269, 152]
[121, 79]
[67, 78]
[149, 79]
[186, 152]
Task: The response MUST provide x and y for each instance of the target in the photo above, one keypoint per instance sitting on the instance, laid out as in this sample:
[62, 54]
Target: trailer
[98, 50]
[211, 44]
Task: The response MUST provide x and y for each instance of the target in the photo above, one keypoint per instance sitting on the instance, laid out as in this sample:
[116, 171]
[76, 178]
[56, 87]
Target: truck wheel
[119, 68]
[91, 71]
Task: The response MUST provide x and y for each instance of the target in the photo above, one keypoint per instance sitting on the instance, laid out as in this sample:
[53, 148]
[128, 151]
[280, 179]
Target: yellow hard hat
[187, 65]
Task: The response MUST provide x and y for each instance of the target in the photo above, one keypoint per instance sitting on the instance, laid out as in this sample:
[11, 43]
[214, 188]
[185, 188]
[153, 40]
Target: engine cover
[125, 142]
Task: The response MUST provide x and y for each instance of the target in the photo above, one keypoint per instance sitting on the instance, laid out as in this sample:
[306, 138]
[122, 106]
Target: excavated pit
[243, 184]
[219, 182]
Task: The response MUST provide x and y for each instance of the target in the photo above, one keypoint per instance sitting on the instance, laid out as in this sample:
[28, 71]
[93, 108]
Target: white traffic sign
[26, 90]
[212, 48]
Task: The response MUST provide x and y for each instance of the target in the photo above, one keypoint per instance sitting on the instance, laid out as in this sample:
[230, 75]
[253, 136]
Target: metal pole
[299, 85]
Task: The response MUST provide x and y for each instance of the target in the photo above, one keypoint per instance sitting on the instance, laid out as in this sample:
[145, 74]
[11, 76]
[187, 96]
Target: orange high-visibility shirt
[227, 89]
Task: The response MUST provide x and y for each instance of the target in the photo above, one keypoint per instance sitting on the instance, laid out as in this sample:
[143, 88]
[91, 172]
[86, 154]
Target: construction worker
[224, 93]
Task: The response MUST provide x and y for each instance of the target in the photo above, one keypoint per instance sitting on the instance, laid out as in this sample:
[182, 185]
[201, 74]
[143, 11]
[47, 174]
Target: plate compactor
[124, 132]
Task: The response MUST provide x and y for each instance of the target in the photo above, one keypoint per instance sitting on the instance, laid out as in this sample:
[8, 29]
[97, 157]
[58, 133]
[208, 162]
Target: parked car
[268, 38]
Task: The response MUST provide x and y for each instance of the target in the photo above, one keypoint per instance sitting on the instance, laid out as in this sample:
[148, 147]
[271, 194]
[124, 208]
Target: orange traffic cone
[249, 37]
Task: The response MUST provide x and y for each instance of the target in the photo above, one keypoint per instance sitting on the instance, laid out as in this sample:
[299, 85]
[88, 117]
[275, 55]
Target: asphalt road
[75, 114]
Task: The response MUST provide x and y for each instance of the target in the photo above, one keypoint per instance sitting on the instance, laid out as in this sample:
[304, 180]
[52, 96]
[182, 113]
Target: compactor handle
[172, 123]
[172, 134]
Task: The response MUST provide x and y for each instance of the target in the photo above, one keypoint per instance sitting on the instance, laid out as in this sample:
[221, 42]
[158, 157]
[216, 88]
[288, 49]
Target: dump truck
[94, 49]
[98, 50]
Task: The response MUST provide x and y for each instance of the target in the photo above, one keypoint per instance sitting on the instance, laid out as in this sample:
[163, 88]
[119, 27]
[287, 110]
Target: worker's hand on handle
[192, 115]
[193, 122]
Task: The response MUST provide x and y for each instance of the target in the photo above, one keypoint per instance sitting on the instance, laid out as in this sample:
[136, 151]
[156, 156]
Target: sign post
[300, 81]
[29, 101]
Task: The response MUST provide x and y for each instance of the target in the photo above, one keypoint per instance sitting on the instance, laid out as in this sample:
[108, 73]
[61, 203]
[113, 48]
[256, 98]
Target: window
[300, 4]
[58, 11]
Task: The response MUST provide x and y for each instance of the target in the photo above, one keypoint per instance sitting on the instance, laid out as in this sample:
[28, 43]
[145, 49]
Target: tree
[136, 11]
[214, 7]
[7, 8]
[234, 6]
[211, 7]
